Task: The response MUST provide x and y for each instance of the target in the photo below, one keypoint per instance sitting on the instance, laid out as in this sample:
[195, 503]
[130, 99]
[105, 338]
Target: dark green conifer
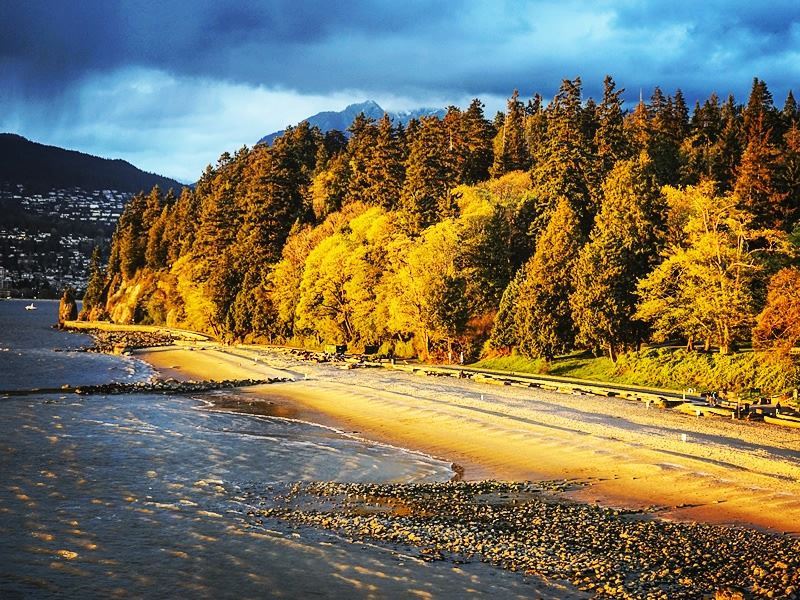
[510, 149]
[543, 317]
[622, 248]
[429, 176]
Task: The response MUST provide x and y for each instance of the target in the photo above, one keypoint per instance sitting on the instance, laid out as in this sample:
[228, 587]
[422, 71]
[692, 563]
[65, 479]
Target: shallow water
[135, 495]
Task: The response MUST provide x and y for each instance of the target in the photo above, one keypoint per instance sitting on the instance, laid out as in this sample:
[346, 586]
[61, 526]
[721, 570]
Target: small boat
[31, 306]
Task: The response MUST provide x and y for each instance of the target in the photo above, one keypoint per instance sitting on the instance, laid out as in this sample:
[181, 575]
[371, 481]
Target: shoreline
[725, 473]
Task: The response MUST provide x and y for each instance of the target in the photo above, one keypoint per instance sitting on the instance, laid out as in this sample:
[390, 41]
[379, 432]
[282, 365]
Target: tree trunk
[725, 342]
[612, 353]
[690, 344]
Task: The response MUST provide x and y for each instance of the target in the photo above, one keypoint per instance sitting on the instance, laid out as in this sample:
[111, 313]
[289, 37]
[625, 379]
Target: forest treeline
[573, 223]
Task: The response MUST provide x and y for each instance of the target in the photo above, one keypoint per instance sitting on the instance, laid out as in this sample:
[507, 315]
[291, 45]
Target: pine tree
[759, 114]
[131, 238]
[609, 139]
[564, 166]
[504, 333]
[664, 138]
[429, 176]
[157, 251]
[790, 177]
[622, 248]
[536, 130]
[758, 179]
[727, 152]
[544, 326]
[790, 113]
[360, 150]
[698, 161]
[384, 171]
[510, 150]
[96, 287]
[181, 225]
[477, 134]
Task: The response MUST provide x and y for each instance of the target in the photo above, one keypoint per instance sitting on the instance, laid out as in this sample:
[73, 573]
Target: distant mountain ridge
[40, 167]
[341, 120]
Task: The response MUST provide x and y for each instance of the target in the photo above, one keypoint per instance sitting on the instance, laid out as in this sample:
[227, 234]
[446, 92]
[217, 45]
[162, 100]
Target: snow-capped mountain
[341, 120]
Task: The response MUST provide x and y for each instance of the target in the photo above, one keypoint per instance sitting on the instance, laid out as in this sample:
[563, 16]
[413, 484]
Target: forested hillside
[553, 226]
[41, 168]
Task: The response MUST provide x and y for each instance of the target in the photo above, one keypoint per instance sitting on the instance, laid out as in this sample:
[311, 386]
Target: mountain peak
[366, 105]
[341, 120]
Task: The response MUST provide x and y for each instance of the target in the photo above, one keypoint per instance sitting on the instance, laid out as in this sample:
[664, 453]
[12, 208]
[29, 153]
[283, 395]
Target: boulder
[67, 308]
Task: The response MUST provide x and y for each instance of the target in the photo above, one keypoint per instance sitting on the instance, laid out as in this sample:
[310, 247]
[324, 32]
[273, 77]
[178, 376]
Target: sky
[171, 84]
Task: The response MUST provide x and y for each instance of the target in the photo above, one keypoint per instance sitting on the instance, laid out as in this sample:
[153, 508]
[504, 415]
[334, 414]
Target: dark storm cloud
[169, 84]
[412, 47]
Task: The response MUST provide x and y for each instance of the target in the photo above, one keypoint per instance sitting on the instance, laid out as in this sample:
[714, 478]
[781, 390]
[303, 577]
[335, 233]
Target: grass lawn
[672, 368]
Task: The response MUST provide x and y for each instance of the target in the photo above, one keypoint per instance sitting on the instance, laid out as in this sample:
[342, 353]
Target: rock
[67, 308]
[730, 593]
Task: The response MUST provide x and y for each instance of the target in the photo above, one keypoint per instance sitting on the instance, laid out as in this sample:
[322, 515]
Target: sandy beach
[680, 467]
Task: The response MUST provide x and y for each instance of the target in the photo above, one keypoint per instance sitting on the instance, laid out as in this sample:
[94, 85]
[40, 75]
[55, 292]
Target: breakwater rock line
[166, 386]
[523, 527]
[119, 342]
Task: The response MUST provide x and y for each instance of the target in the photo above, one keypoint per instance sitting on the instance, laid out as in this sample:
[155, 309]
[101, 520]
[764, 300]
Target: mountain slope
[341, 120]
[39, 167]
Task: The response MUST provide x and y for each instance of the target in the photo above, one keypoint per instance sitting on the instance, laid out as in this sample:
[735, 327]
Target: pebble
[610, 553]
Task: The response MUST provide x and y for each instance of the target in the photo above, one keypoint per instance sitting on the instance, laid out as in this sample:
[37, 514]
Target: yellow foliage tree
[703, 287]
[425, 291]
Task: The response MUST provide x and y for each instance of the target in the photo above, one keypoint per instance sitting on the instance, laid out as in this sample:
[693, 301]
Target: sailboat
[30, 306]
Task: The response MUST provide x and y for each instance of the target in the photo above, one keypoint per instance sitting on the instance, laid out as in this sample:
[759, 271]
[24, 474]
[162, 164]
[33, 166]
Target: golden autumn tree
[703, 287]
[426, 291]
[778, 327]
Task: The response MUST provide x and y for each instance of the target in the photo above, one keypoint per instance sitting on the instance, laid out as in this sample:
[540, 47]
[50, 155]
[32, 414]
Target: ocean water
[135, 495]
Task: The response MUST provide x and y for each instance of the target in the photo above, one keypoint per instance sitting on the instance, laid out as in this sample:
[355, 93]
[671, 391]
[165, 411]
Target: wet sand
[631, 456]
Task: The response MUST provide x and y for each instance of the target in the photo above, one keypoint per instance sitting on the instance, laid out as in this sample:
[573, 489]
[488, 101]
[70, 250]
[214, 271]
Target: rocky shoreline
[171, 386]
[159, 386]
[524, 527]
[120, 342]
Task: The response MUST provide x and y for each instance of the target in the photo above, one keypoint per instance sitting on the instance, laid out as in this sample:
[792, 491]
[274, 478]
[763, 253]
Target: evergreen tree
[96, 287]
[622, 248]
[758, 179]
[759, 115]
[663, 139]
[790, 113]
[564, 166]
[609, 139]
[790, 177]
[329, 187]
[727, 152]
[504, 333]
[543, 317]
[477, 134]
[157, 251]
[181, 225]
[384, 169]
[510, 150]
[131, 239]
[697, 149]
[536, 130]
[360, 150]
[429, 176]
